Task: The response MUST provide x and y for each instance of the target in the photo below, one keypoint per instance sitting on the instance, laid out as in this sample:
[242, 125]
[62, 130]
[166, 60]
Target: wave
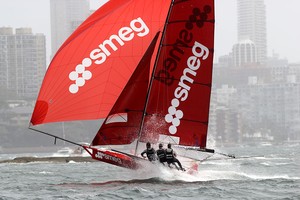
[234, 175]
[153, 180]
[265, 177]
[227, 176]
[116, 183]
[278, 164]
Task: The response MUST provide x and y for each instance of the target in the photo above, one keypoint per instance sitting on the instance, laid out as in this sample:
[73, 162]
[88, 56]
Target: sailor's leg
[177, 161]
[175, 165]
[169, 164]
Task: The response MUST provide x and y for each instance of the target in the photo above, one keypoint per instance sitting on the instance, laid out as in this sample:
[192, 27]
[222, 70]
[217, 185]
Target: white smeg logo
[174, 116]
[99, 155]
[108, 157]
[99, 55]
[182, 91]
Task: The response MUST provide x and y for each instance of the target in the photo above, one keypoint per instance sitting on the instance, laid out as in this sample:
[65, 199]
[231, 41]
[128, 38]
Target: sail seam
[180, 21]
[176, 79]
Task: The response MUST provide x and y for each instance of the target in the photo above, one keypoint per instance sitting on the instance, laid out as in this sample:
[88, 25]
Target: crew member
[150, 152]
[161, 154]
[171, 157]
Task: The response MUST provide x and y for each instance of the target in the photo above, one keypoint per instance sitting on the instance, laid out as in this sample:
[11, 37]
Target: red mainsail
[92, 67]
[179, 101]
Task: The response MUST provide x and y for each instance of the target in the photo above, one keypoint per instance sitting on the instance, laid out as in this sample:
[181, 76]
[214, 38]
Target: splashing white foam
[209, 172]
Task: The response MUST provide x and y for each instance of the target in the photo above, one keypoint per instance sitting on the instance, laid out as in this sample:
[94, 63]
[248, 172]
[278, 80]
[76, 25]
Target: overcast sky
[283, 30]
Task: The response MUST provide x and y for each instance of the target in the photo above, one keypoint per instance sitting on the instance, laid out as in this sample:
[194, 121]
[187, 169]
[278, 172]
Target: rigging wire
[55, 137]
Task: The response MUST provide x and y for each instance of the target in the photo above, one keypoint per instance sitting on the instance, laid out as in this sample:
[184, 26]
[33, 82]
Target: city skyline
[250, 102]
[66, 16]
[252, 27]
[280, 25]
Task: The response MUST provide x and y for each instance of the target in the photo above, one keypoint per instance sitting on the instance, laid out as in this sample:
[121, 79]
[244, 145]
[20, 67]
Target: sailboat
[145, 67]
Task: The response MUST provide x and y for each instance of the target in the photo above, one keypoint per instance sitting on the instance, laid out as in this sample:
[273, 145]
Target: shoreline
[48, 159]
[41, 149]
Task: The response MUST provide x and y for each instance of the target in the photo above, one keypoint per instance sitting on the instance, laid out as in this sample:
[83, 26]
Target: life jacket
[169, 154]
[150, 154]
[161, 154]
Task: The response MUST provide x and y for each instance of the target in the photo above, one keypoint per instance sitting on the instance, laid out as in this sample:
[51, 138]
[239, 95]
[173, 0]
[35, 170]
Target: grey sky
[283, 31]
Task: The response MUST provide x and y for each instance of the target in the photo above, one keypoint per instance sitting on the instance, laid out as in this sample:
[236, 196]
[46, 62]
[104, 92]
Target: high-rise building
[66, 16]
[22, 61]
[252, 25]
[244, 53]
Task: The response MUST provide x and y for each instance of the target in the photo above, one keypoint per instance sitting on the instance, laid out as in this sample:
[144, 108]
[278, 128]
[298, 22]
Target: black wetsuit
[161, 154]
[150, 152]
[171, 158]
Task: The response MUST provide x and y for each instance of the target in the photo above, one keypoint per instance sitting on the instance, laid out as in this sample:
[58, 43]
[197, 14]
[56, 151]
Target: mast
[152, 77]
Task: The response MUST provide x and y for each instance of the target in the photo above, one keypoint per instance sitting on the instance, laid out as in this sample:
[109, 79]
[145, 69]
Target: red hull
[115, 158]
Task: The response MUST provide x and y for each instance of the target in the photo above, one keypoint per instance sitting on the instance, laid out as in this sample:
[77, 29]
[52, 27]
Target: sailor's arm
[174, 154]
[142, 154]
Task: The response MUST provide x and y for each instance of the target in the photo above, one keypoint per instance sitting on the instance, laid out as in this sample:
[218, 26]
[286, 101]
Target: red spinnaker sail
[92, 67]
[178, 106]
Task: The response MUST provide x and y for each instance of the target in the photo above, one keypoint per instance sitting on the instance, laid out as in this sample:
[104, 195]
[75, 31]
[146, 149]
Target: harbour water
[275, 175]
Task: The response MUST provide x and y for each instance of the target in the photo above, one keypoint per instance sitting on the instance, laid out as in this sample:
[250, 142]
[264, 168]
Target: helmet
[148, 145]
[160, 145]
[169, 145]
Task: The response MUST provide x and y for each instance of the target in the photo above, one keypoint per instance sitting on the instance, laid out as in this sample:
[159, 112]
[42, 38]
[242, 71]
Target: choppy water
[275, 176]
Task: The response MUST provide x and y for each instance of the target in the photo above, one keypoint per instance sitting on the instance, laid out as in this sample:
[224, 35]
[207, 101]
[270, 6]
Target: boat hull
[115, 157]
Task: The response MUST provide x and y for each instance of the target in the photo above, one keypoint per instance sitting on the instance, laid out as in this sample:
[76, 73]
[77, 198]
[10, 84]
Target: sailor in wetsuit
[150, 152]
[171, 157]
[161, 154]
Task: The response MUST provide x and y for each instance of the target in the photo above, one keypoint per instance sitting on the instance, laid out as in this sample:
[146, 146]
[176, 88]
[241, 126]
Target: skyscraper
[22, 61]
[252, 25]
[66, 15]
[244, 53]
